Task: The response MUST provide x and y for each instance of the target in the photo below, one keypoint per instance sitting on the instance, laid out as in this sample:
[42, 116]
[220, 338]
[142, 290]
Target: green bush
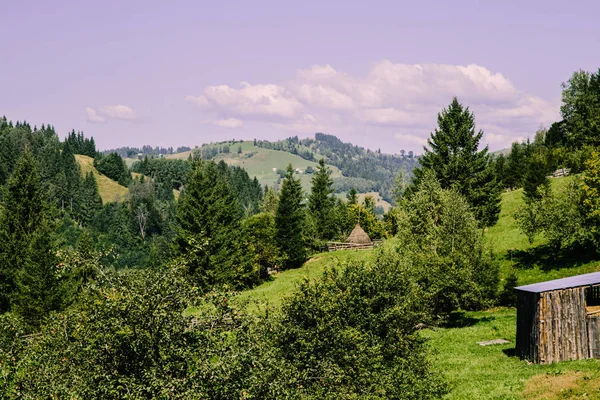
[439, 242]
[352, 334]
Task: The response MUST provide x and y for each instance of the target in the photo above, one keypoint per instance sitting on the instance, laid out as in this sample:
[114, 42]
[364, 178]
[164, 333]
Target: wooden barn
[559, 320]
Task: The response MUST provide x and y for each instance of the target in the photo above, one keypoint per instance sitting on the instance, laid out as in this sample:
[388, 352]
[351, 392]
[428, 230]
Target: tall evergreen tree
[454, 158]
[209, 218]
[535, 177]
[70, 180]
[321, 202]
[27, 250]
[89, 201]
[290, 221]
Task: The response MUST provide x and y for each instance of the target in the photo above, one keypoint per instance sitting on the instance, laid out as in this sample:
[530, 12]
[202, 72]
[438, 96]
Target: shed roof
[564, 283]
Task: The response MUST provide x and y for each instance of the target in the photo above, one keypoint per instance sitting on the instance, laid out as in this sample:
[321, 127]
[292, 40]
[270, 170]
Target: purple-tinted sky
[375, 73]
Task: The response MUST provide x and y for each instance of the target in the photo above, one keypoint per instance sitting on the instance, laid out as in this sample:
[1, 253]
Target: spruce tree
[352, 196]
[321, 202]
[27, 245]
[89, 201]
[209, 221]
[454, 158]
[290, 221]
[535, 178]
[70, 180]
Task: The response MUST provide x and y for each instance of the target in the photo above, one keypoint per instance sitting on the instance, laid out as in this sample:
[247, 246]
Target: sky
[377, 73]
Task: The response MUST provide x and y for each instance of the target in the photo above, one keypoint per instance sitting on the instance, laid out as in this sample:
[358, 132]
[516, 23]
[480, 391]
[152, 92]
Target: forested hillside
[352, 166]
[362, 169]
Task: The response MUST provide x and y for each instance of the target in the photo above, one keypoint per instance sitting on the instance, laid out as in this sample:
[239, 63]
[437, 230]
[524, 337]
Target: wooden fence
[334, 246]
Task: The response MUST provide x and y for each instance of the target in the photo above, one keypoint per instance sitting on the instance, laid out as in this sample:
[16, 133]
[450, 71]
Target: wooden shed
[559, 320]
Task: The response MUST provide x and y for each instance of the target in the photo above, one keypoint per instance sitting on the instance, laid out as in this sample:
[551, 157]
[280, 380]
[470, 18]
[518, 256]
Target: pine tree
[72, 179]
[209, 218]
[289, 222]
[321, 202]
[89, 201]
[27, 249]
[535, 178]
[454, 158]
[352, 196]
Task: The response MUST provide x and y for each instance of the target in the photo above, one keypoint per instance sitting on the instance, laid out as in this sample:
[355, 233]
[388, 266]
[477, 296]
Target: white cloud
[229, 123]
[403, 97]
[250, 100]
[92, 116]
[110, 112]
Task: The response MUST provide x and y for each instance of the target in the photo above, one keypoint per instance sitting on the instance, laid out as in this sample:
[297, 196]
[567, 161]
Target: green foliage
[113, 167]
[89, 201]
[258, 234]
[28, 264]
[580, 109]
[290, 221]
[454, 157]
[352, 196]
[270, 202]
[440, 243]
[508, 295]
[128, 337]
[321, 202]
[79, 144]
[352, 334]
[171, 173]
[208, 212]
[558, 217]
[535, 180]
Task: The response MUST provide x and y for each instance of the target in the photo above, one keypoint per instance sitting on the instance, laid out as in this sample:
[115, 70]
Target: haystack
[358, 236]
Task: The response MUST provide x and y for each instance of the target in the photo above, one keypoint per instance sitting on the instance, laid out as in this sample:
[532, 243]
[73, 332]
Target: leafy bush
[352, 334]
[440, 244]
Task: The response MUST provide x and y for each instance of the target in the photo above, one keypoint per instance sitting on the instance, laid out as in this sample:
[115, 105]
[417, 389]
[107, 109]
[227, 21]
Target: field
[476, 372]
[110, 190]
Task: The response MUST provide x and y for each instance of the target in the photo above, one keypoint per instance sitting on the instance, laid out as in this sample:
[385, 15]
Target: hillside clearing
[260, 162]
[110, 191]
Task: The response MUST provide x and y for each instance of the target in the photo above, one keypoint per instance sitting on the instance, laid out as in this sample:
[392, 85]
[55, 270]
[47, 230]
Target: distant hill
[265, 164]
[352, 166]
[363, 169]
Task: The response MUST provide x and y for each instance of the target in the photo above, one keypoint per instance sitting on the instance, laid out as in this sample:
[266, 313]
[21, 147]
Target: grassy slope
[506, 240]
[110, 190]
[476, 372]
[272, 293]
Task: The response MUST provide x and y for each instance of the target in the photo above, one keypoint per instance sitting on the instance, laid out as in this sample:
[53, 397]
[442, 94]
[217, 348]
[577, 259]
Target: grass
[272, 293]
[533, 262]
[494, 372]
[110, 191]
[473, 371]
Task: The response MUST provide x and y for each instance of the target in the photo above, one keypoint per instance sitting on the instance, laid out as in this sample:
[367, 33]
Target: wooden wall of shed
[563, 330]
[593, 327]
[527, 325]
